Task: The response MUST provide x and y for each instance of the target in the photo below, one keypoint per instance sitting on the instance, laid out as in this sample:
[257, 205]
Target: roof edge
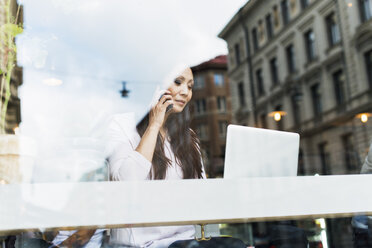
[242, 11]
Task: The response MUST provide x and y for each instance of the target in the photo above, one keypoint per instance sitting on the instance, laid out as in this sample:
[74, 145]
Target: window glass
[237, 53]
[276, 16]
[333, 30]
[365, 9]
[296, 108]
[324, 158]
[304, 3]
[368, 59]
[255, 39]
[350, 156]
[222, 128]
[339, 82]
[218, 79]
[261, 31]
[269, 26]
[263, 120]
[107, 106]
[316, 96]
[310, 45]
[274, 71]
[260, 82]
[291, 63]
[241, 94]
[285, 11]
[199, 82]
[293, 4]
[202, 131]
[221, 103]
[201, 106]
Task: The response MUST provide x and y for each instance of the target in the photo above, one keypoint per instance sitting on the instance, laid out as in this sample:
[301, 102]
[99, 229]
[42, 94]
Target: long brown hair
[184, 143]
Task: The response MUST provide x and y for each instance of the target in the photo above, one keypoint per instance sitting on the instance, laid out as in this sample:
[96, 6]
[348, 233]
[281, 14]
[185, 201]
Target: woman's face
[181, 90]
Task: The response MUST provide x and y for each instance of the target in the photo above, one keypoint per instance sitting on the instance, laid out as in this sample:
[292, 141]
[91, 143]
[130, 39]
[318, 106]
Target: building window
[325, 160]
[285, 11]
[296, 109]
[237, 53]
[317, 100]
[274, 71]
[304, 3]
[202, 131]
[241, 94]
[223, 151]
[222, 128]
[218, 79]
[339, 82]
[221, 103]
[261, 30]
[269, 26]
[351, 157]
[255, 39]
[368, 58]
[230, 55]
[301, 163]
[293, 6]
[310, 45]
[201, 106]
[199, 82]
[276, 16]
[290, 54]
[263, 121]
[332, 30]
[260, 82]
[365, 9]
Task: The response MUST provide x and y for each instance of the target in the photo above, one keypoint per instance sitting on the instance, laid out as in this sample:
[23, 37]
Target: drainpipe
[249, 63]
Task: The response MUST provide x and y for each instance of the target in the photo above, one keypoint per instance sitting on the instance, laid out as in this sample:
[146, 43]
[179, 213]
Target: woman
[161, 146]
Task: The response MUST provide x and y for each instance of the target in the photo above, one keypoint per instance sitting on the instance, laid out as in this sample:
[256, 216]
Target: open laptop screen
[256, 152]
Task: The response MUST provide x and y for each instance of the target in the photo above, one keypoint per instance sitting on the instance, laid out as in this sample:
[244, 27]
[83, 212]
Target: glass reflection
[299, 66]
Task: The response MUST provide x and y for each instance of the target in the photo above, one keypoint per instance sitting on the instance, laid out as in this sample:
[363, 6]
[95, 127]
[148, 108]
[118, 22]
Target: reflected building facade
[13, 117]
[211, 111]
[311, 59]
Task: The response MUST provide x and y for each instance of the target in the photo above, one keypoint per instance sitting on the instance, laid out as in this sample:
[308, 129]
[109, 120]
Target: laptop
[257, 152]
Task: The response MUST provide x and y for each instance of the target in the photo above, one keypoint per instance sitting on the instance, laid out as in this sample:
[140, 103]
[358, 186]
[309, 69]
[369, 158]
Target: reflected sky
[90, 46]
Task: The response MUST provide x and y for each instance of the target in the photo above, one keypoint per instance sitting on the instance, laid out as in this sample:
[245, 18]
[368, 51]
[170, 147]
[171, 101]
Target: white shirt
[128, 164]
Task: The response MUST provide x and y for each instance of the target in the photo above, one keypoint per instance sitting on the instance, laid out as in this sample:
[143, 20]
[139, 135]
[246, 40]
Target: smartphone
[169, 107]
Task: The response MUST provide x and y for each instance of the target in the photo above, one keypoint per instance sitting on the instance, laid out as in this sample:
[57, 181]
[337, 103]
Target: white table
[155, 203]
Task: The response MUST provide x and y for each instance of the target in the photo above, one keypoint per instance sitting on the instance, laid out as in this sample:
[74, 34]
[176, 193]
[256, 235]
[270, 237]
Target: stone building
[312, 60]
[13, 117]
[211, 111]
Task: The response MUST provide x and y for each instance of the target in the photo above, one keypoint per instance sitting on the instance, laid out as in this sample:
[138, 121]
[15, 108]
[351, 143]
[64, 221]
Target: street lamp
[277, 115]
[124, 92]
[363, 117]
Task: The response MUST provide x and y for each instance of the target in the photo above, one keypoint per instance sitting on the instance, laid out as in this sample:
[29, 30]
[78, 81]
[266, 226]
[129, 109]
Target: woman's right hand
[157, 113]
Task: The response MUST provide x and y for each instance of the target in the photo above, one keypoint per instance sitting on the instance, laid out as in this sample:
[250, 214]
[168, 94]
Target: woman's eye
[177, 81]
